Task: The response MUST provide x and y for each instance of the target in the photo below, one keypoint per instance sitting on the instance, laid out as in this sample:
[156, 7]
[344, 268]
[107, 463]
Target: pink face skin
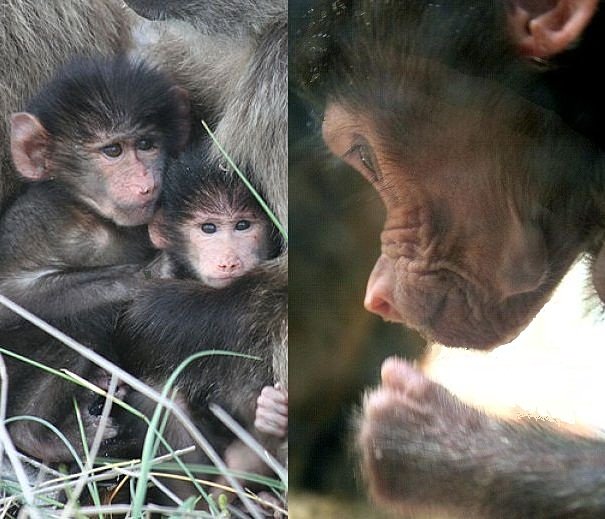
[132, 173]
[461, 262]
[225, 247]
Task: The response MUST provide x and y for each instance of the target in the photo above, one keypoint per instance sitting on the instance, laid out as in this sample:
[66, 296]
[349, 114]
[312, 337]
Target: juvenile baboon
[217, 267]
[94, 143]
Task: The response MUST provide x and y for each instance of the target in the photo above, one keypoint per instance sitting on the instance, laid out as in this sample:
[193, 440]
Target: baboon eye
[145, 144]
[208, 228]
[366, 156]
[361, 156]
[242, 225]
[112, 150]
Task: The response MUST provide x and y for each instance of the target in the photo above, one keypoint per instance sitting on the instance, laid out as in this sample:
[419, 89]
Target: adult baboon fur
[236, 74]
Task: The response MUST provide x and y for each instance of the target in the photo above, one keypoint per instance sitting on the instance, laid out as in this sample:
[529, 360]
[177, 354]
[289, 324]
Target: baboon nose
[381, 305]
[379, 292]
[230, 266]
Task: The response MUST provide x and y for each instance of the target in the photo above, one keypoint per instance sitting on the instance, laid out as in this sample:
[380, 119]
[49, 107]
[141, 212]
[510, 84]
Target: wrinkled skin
[465, 259]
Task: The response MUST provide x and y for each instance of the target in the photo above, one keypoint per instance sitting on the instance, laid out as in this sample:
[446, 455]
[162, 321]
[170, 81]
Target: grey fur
[238, 78]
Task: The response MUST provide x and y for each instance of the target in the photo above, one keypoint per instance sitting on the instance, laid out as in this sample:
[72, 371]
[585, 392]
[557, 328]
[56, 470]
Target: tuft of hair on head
[91, 96]
[193, 181]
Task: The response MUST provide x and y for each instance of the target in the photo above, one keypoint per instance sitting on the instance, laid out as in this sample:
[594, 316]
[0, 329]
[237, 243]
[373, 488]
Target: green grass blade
[259, 198]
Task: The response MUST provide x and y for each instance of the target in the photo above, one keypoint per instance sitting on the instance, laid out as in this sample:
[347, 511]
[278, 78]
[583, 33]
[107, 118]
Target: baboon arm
[424, 448]
[53, 293]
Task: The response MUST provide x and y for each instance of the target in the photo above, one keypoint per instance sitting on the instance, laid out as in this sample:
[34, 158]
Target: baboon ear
[29, 146]
[543, 28]
[156, 231]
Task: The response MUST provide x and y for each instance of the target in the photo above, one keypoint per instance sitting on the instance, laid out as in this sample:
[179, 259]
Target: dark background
[335, 346]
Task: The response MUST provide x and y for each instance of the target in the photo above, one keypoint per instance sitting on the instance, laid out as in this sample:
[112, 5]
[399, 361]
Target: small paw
[412, 432]
[272, 412]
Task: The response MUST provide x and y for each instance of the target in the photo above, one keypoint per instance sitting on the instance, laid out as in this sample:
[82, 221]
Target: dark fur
[250, 91]
[434, 453]
[33, 392]
[195, 182]
[210, 319]
[208, 57]
[248, 316]
[109, 94]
